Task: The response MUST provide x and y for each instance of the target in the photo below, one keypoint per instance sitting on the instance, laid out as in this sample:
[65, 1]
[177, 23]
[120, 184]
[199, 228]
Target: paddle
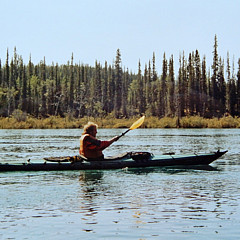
[135, 125]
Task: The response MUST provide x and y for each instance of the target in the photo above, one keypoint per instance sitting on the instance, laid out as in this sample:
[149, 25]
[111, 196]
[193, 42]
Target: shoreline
[54, 122]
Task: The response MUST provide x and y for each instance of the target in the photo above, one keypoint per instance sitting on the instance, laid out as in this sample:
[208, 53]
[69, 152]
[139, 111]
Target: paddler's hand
[114, 139]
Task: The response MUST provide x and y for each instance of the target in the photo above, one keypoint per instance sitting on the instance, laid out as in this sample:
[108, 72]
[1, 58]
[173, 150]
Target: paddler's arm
[114, 139]
[100, 145]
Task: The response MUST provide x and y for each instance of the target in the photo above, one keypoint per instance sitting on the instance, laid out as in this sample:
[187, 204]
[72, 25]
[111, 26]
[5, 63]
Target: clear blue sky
[95, 29]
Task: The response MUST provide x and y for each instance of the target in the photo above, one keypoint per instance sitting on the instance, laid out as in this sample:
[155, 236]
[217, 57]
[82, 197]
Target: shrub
[19, 115]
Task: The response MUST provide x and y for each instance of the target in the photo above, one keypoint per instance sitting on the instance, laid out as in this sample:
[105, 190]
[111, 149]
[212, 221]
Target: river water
[155, 203]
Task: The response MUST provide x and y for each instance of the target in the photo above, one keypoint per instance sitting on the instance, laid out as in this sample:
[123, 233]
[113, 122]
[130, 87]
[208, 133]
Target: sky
[93, 30]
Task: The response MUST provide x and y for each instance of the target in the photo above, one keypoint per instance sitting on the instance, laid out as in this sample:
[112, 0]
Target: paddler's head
[91, 129]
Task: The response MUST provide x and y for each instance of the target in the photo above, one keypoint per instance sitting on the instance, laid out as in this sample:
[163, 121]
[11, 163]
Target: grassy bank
[109, 122]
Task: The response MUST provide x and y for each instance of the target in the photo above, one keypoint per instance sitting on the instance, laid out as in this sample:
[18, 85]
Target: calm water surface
[152, 203]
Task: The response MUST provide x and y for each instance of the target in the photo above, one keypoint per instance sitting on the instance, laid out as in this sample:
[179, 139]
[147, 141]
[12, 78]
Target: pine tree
[1, 78]
[204, 96]
[233, 97]
[124, 92]
[154, 89]
[98, 83]
[15, 76]
[214, 91]
[162, 98]
[71, 93]
[50, 91]
[58, 91]
[180, 93]
[238, 89]
[30, 67]
[228, 88]
[146, 87]
[43, 108]
[105, 88]
[111, 89]
[190, 87]
[6, 75]
[24, 91]
[142, 97]
[148, 72]
[65, 89]
[197, 82]
[29, 75]
[171, 89]
[118, 84]
[154, 72]
[222, 89]
[136, 95]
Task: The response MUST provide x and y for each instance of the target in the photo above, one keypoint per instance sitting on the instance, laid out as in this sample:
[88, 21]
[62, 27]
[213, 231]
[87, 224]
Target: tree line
[80, 90]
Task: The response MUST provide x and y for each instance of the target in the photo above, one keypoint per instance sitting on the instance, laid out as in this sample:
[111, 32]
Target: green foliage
[80, 91]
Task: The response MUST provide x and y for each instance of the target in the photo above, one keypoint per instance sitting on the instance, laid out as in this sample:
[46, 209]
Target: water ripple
[188, 203]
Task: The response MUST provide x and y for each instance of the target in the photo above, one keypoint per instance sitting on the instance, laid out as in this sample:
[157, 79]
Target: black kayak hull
[124, 162]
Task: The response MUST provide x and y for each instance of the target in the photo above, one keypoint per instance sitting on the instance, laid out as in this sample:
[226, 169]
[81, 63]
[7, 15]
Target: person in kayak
[90, 146]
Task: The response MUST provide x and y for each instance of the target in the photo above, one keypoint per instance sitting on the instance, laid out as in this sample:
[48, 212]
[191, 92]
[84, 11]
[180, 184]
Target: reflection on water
[173, 169]
[90, 182]
[90, 176]
[150, 203]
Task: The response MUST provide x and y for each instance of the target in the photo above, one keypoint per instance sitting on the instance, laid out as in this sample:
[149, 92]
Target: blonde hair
[90, 126]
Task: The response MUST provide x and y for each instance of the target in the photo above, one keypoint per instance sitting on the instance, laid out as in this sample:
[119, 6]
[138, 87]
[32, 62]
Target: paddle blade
[138, 123]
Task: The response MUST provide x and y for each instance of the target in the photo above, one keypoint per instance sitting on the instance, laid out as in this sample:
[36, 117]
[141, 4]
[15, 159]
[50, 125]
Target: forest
[80, 90]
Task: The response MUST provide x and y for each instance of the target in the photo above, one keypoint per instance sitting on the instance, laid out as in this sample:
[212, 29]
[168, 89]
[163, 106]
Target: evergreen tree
[197, 82]
[222, 89]
[154, 72]
[118, 84]
[135, 96]
[233, 97]
[111, 89]
[214, 91]
[58, 91]
[190, 88]
[65, 90]
[35, 95]
[24, 91]
[126, 80]
[43, 108]
[29, 70]
[1, 78]
[50, 91]
[6, 75]
[141, 90]
[238, 89]
[204, 90]
[98, 83]
[30, 67]
[105, 88]
[154, 87]
[71, 93]
[171, 89]
[146, 87]
[148, 72]
[162, 98]
[180, 92]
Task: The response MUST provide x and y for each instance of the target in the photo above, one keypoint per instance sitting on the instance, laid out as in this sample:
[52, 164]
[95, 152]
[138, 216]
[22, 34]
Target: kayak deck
[126, 160]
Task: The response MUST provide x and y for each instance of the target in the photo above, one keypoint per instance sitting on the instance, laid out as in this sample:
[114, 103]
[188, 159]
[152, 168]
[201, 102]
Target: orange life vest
[89, 149]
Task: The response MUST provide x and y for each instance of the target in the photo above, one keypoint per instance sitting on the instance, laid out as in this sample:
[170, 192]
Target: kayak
[125, 160]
